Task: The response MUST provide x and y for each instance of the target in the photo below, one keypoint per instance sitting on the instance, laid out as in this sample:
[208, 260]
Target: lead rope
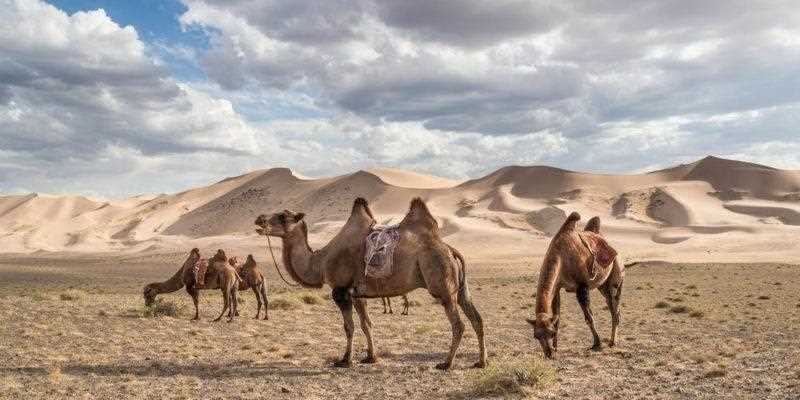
[275, 263]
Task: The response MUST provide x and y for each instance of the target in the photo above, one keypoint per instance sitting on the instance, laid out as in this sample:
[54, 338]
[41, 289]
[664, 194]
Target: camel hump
[593, 225]
[418, 213]
[569, 224]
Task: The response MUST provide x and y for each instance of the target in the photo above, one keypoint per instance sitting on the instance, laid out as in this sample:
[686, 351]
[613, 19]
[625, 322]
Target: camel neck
[172, 284]
[301, 262]
[548, 284]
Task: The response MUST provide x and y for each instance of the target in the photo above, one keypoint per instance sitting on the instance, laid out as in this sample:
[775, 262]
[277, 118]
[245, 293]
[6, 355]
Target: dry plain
[76, 328]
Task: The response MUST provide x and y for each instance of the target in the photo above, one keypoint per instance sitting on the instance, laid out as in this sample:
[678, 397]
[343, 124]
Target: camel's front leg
[556, 318]
[406, 304]
[224, 307]
[258, 299]
[458, 331]
[366, 326]
[342, 297]
[583, 299]
[195, 299]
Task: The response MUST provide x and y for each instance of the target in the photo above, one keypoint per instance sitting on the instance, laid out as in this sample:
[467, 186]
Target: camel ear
[299, 216]
[531, 321]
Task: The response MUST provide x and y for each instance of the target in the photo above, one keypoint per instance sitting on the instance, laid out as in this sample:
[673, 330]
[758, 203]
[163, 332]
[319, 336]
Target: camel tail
[463, 289]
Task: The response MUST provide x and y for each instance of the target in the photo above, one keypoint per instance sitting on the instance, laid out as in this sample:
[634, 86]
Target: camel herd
[576, 260]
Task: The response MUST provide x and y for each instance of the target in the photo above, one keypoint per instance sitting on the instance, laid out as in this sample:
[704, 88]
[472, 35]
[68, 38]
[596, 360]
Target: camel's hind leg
[224, 306]
[342, 297]
[583, 299]
[263, 290]
[258, 299]
[195, 293]
[476, 321]
[458, 331]
[366, 326]
[612, 291]
[406, 304]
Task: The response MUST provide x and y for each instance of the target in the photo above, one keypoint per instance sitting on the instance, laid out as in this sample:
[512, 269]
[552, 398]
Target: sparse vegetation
[73, 295]
[679, 309]
[285, 302]
[311, 298]
[662, 304]
[505, 377]
[696, 314]
[162, 307]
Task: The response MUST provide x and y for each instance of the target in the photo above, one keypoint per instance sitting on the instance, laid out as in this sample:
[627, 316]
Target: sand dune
[686, 212]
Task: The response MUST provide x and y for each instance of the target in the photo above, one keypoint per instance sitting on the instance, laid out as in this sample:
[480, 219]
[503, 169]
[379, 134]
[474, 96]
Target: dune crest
[688, 211]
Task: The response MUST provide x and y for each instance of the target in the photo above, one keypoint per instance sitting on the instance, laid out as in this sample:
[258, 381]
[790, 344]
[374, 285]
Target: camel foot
[266, 318]
[596, 347]
[216, 319]
[343, 364]
[230, 320]
[195, 319]
[479, 364]
[403, 313]
[370, 360]
[443, 366]
[611, 344]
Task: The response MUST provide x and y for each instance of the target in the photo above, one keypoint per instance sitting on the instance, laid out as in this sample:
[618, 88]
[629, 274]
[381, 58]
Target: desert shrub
[763, 297]
[511, 377]
[285, 303]
[662, 304]
[72, 295]
[715, 373]
[696, 314]
[311, 298]
[162, 307]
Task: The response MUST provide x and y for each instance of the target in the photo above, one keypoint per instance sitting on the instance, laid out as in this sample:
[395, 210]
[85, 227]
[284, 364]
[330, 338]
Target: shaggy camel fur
[252, 278]
[387, 305]
[184, 277]
[570, 264]
[228, 284]
[421, 260]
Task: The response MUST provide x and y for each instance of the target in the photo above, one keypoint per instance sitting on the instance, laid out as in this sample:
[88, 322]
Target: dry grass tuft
[662, 304]
[763, 297]
[696, 314]
[715, 373]
[504, 377]
[311, 298]
[73, 295]
[679, 309]
[162, 307]
[285, 303]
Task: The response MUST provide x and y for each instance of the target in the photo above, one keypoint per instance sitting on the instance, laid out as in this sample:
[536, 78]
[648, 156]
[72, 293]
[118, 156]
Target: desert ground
[76, 327]
[711, 310]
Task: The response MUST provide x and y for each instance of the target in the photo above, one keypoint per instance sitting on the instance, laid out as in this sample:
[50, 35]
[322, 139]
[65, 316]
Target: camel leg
[366, 326]
[583, 299]
[195, 299]
[612, 294]
[258, 299]
[263, 290]
[234, 311]
[557, 317]
[406, 304]
[457, 327]
[345, 302]
[389, 302]
[477, 325]
[224, 306]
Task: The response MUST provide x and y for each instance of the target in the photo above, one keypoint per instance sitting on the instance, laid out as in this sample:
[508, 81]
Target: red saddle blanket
[602, 252]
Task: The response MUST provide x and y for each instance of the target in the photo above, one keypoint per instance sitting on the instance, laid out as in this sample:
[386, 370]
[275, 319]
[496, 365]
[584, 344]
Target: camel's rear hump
[418, 214]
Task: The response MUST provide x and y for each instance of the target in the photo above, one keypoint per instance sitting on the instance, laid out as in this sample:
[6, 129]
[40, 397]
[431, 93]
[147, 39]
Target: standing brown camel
[387, 305]
[252, 278]
[578, 262]
[421, 260]
[228, 284]
[184, 277]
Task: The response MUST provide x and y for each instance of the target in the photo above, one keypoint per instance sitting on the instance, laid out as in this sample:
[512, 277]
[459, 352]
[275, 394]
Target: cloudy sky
[113, 98]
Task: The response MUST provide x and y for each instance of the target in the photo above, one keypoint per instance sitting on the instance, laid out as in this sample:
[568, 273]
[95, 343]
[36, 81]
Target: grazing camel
[252, 278]
[421, 260]
[387, 304]
[184, 277]
[578, 262]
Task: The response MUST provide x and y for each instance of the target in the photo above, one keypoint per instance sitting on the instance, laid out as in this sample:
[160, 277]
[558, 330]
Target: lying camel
[387, 301]
[184, 277]
[252, 278]
[421, 260]
[578, 262]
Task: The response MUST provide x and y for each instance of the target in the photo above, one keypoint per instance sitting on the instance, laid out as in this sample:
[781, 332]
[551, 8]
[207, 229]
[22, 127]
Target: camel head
[150, 293]
[279, 224]
[544, 329]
